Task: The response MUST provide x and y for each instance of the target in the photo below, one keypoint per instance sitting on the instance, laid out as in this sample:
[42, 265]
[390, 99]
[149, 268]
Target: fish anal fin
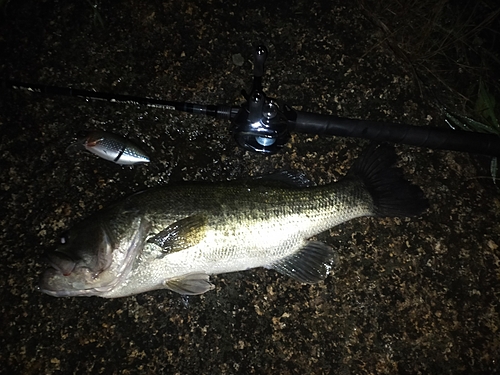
[182, 234]
[309, 265]
[191, 284]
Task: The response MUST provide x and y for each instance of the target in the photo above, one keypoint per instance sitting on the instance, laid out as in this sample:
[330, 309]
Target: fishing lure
[110, 147]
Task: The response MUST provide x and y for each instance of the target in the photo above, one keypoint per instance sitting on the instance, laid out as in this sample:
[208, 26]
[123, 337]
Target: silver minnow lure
[110, 147]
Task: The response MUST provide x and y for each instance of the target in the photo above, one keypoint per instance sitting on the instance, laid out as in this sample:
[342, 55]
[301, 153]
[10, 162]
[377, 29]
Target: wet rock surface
[407, 296]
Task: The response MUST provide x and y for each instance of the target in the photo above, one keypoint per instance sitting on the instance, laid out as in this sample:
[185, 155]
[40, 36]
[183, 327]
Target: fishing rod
[263, 124]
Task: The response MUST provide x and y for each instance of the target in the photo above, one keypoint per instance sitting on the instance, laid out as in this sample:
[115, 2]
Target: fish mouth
[54, 283]
[65, 277]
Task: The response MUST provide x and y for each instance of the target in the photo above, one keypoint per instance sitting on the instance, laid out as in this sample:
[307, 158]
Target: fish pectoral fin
[191, 284]
[309, 265]
[182, 234]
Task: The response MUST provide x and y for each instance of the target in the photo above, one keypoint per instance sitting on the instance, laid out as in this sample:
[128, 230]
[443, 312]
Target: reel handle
[259, 58]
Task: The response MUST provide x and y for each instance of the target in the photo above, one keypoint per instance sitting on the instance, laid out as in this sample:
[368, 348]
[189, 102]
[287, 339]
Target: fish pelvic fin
[392, 195]
[309, 265]
[190, 284]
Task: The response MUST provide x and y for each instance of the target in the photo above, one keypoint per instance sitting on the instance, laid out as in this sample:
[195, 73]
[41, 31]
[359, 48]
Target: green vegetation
[452, 49]
[485, 109]
[96, 17]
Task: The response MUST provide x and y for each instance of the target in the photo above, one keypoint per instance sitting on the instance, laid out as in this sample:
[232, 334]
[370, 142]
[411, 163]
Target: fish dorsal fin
[309, 265]
[191, 284]
[285, 179]
[181, 234]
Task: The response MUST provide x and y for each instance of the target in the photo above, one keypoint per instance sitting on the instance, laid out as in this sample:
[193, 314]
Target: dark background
[409, 296]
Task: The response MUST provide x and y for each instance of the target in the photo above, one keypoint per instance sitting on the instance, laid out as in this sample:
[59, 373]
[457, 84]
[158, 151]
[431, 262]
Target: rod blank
[218, 111]
[422, 136]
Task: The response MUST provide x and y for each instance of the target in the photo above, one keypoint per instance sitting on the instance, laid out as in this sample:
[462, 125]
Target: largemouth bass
[175, 237]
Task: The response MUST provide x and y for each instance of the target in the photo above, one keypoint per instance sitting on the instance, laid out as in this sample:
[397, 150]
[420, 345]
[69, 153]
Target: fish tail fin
[392, 195]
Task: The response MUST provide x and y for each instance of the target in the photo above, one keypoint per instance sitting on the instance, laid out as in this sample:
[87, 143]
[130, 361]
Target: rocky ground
[408, 296]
